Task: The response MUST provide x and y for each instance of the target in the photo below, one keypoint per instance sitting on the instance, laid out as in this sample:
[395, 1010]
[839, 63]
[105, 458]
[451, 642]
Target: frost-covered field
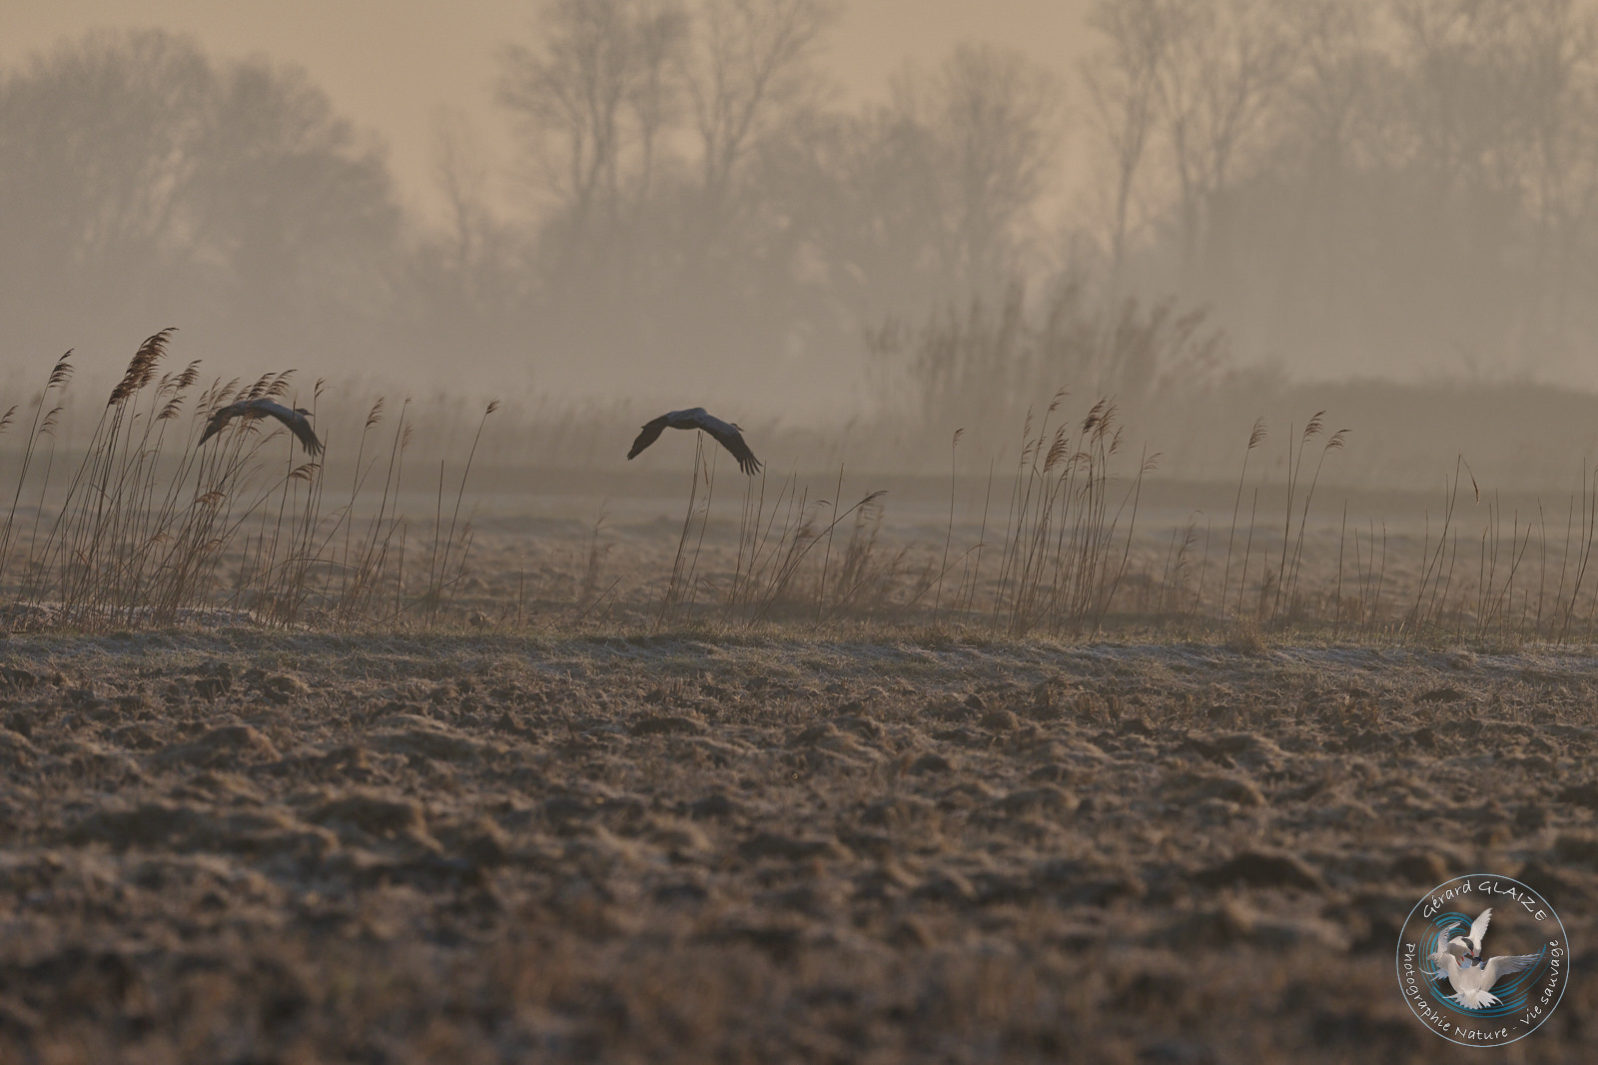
[240, 847]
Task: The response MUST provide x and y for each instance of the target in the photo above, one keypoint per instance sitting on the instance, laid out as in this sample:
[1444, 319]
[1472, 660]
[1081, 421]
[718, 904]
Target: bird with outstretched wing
[298, 420]
[1472, 983]
[728, 434]
[1468, 947]
[1459, 961]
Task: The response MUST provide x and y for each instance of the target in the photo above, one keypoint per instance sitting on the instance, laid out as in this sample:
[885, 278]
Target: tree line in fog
[1361, 184]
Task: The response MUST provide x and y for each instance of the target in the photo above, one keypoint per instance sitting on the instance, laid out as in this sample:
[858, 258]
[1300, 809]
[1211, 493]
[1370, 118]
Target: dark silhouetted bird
[298, 420]
[727, 434]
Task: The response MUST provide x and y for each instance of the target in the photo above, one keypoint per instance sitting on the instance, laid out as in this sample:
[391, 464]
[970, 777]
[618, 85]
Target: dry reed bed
[146, 527]
[1066, 554]
[140, 527]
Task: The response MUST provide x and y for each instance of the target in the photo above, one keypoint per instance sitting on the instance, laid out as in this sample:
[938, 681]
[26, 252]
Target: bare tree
[462, 177]
[1550, 50]
[1457, 100]
[1341, 68]
[599, 87]
[1227, 62]
[1122, 83]
[97, 138]
[473, 262]
[857, 191]
[1498, 101]
[299, 198]
[138, 174]
[993, 121]
[656, 100]
[750, 67]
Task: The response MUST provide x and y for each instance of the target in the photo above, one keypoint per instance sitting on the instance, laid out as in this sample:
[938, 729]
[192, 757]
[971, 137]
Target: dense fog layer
[1209, 195]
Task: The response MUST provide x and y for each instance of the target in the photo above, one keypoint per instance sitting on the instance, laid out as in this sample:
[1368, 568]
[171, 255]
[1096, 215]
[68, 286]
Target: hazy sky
[395, 65]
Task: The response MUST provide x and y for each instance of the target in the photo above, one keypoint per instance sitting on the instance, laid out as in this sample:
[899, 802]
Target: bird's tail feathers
[1475, 999]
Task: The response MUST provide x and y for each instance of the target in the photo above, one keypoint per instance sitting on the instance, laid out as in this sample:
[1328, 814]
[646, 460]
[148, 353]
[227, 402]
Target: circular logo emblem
[1483, 960]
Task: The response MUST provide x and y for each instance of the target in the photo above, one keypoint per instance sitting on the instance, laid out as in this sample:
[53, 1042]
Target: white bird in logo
[1460, 963]
[1469, 947]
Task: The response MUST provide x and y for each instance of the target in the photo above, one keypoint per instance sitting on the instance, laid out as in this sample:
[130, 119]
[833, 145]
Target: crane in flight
[727, 434]
[298, 420]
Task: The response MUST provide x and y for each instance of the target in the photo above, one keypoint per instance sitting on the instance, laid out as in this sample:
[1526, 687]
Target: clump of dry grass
[681, 583]
[1060, 569]
[447, 555]
[150, 526]
[1256, 437]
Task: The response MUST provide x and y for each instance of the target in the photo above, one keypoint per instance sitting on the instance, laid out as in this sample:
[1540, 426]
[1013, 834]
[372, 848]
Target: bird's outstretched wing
[300, 426]
[1505, 964]
[730, 437]
[651, 432]
[219, 420]
[1448, 967]
[734, 441]
[1478, 928]
[296, 420]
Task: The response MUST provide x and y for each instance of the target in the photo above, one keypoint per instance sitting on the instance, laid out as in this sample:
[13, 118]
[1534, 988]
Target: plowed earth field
[246, 848]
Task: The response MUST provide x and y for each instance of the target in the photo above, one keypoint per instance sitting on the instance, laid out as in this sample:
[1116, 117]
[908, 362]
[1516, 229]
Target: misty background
[1211, 210]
